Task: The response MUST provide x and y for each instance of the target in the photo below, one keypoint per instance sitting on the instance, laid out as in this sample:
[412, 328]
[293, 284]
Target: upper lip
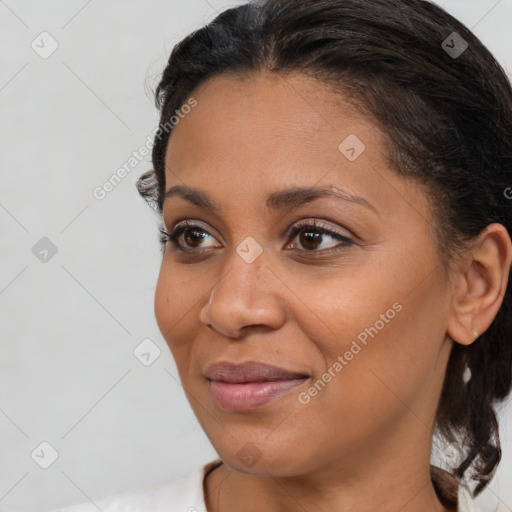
[249, 371]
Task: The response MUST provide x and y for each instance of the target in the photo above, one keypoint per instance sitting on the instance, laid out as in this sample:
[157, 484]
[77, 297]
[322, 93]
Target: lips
[250, 371]
[250, 385]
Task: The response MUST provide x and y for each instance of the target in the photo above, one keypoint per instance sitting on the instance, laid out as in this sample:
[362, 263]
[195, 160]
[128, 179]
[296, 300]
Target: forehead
[266, 112]
[255, 135]
[263, 120]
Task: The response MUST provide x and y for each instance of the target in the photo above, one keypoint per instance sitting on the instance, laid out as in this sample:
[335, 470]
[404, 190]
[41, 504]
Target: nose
[245, 295]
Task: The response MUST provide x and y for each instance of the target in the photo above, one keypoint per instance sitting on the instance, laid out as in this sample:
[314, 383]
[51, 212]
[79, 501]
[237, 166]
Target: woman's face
[363, 316]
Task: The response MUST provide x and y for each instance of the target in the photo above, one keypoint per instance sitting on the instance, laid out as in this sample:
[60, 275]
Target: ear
[480, 282]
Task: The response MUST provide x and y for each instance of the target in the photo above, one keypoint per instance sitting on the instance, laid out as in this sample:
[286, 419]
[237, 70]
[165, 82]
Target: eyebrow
[288, 198]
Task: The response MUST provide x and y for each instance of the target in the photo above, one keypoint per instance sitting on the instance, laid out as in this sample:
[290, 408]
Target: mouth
[250, 371]
[247, 386]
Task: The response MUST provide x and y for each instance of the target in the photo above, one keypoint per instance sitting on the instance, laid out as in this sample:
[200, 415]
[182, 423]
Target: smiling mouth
[246, 396]
[251, 384]
[249, 371]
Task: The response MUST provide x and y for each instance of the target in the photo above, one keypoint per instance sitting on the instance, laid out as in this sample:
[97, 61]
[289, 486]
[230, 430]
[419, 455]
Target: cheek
[174, 299]
[385, 328]
[334, 312]
[389, 347]
[165, 303]
[174, 306]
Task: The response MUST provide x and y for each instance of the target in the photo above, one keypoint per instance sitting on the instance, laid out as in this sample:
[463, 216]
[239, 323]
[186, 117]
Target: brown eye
[193, 236]
[311, 236]
[310, 239]
[186, 237]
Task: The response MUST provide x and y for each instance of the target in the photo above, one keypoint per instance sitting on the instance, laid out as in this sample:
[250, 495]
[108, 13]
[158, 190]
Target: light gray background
[69, 326]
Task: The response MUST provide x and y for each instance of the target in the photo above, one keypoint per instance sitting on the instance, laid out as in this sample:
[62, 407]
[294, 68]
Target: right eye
[185, 236]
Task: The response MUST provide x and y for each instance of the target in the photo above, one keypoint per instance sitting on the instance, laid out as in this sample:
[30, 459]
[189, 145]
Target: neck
[228, 490]
[381, 478]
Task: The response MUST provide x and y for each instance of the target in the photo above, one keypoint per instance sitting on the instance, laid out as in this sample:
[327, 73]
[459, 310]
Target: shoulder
[453, 494]
[183, 494]
[466, 501]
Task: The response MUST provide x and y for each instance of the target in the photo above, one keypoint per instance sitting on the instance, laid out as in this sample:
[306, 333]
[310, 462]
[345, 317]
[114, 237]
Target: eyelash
[303, 226]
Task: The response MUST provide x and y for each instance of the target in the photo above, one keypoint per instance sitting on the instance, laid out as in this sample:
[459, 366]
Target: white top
[186, 495]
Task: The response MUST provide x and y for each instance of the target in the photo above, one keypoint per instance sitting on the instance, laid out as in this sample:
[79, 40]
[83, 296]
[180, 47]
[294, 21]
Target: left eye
[311, 237]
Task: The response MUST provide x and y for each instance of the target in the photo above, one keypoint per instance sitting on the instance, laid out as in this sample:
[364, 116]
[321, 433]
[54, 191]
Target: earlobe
[481, 282]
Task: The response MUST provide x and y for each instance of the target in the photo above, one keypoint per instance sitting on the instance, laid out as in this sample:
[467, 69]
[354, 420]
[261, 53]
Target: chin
[262, 458]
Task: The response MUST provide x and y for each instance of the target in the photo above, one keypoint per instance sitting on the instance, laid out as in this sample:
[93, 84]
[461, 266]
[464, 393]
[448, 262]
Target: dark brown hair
[447, 121]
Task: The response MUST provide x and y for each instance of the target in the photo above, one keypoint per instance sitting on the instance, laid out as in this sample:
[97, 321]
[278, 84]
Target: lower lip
[244, 397]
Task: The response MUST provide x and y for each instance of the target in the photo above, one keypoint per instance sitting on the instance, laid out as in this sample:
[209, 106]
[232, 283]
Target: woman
[334, 183]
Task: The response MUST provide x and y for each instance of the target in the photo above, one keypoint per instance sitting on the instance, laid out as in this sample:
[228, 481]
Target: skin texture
[363, 442]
